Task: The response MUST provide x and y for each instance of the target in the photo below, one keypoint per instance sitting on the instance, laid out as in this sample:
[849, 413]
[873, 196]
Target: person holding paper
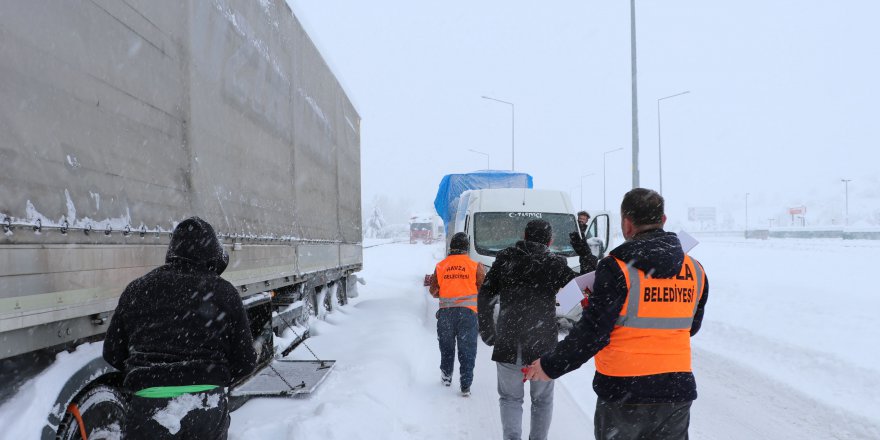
[647, 301]
[525, 278]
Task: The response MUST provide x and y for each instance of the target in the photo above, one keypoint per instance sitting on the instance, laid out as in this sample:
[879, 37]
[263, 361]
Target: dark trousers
[655, 421]
[202, 416]
[458, 324]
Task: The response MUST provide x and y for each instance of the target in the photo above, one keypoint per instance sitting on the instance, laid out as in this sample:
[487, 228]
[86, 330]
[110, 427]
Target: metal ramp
[285, 378]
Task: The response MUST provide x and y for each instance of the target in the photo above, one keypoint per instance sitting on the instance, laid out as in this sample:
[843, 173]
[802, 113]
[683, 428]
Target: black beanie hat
[459, 244]
[538, 231]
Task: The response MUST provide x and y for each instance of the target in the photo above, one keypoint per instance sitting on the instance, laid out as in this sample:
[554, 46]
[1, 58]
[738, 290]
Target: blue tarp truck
[453, 185]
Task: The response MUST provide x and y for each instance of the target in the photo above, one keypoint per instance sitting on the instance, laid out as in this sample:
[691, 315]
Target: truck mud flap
[284, 378]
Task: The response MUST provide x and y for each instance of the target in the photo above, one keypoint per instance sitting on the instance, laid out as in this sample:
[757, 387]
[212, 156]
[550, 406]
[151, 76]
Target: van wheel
[102, 411]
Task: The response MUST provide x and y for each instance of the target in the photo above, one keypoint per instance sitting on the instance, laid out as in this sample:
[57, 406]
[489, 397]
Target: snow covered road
[787, 351]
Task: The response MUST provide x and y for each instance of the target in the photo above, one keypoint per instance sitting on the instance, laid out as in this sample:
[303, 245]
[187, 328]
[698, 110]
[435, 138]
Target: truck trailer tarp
[453, 185]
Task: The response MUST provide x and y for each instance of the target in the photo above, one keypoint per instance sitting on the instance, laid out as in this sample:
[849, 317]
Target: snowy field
[788, 350]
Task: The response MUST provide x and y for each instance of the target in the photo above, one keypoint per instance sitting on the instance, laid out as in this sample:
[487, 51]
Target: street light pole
[635, 96]
[512, 130]
[747, 215]
[484, 154]
[659, 143]
[582, 188]
[604, 192]
[846, 200]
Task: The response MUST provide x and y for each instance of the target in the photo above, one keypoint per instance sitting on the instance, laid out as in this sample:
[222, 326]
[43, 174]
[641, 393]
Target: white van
[495, 219]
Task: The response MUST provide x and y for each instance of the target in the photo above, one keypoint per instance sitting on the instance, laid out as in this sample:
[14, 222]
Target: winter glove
[577, 243]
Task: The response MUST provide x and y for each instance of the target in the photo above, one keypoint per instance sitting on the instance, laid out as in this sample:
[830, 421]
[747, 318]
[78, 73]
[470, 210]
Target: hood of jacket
[656, 252]
[194, 242]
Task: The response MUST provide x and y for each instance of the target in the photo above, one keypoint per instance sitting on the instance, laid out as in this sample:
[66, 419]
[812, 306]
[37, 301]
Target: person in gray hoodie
[525, 278]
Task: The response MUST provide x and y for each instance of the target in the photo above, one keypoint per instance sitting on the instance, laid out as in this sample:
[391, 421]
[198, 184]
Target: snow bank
[24, 415]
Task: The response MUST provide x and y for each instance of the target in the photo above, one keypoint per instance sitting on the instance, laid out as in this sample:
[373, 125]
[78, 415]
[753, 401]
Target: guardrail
[819, 232]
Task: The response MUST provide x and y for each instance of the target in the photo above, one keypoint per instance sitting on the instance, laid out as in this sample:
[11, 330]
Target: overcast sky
[783, 103]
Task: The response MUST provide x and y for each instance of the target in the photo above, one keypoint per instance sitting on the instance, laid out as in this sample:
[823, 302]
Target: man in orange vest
[647, 301]
[456, 281]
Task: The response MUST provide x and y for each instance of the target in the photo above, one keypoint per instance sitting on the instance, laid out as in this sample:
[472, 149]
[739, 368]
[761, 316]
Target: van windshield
[494, 231]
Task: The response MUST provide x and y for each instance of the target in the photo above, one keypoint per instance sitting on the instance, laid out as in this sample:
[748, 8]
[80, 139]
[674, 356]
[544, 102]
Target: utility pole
[846, 200]
[747, 215]
[659, 137]
[512, 129]
[635, 96]
[604, 191]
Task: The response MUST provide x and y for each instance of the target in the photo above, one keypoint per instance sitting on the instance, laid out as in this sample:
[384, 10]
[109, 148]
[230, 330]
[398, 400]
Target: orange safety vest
[457, 277]
[652, 333]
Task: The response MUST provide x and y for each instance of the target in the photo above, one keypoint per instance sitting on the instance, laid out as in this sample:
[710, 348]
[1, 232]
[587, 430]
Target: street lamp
[484, 154]
[659, 149]
[846, 200]
[747, 215]
[604, 192]
[635, 95]
[512, 128]
[582, 187]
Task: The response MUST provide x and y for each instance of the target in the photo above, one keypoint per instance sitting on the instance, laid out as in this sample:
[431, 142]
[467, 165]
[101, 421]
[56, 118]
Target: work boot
[447, 380]
[465, 391]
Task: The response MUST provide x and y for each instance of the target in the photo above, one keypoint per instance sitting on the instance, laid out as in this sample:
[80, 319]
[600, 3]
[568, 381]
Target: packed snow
[787, 351]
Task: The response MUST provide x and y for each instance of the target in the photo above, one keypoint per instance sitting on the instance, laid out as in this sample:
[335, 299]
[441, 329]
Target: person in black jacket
[181, 335]
[525, 277]
[580, 243]
[636, 406]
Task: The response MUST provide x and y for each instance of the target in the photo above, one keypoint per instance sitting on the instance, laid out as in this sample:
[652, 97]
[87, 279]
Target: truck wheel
[102, 411]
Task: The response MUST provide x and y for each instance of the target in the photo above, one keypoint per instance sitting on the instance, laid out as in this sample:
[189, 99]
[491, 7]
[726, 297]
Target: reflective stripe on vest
[632, 319]
[652, 333]
[457, 278]
[459, 301]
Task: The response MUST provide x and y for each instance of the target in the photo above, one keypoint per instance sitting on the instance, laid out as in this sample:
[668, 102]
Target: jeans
[654, 421]
[511, 390]
[457, 325]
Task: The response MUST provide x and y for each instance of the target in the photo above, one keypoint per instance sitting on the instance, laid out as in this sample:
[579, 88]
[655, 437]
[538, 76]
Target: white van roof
[517, 200]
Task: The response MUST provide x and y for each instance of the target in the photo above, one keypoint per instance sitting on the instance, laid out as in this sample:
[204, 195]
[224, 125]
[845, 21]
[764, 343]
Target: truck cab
[421, 231]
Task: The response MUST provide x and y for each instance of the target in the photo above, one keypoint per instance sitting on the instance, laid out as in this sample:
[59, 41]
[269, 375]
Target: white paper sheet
[687, 241]
[572, 293]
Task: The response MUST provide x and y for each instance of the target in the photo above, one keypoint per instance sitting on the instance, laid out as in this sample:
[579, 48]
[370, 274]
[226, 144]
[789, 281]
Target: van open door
[598, 234]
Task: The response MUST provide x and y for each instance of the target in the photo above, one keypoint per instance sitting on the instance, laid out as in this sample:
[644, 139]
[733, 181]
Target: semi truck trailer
[119, 119]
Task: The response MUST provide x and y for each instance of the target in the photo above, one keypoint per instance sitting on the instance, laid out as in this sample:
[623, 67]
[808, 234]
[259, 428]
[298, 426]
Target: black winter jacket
[656, 251]
[181, 324]
[526, 278]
